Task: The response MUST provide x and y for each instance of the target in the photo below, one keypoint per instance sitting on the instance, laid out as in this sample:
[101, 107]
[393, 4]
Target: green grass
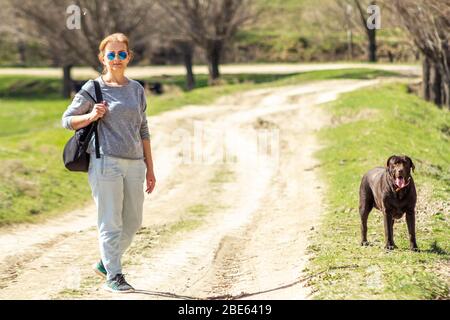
[33, 181]
[14, 86]
[372, 125]
[222, 176]
[198, 210]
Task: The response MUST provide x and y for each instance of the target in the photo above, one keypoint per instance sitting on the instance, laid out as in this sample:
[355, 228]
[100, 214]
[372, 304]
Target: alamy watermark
[72, 278]
[374, 20]
[374, 278]
[209, 144]
[73, 20]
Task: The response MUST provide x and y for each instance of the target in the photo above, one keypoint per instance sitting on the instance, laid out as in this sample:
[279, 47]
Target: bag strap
[90, 96]
[99, 99]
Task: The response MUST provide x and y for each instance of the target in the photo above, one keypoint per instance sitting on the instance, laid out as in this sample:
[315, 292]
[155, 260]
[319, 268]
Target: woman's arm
[83, 110]
[78, 122]
[150, 176]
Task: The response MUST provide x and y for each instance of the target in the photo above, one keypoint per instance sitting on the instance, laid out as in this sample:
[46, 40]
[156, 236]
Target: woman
[117, 178]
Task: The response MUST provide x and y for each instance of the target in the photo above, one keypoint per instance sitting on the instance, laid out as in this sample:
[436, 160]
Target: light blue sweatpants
[117, 188]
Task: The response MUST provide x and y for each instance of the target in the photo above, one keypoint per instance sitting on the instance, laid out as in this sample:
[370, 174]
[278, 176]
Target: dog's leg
[411, 222]
[364, 210]
[366, 204]
[392, 232]
[389, 230]
[364, 217]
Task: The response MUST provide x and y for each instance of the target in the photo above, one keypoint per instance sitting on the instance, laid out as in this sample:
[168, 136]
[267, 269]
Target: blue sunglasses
[112, 55]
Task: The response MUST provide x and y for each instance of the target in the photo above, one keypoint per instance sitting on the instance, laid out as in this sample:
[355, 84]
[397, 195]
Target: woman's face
[117, 50]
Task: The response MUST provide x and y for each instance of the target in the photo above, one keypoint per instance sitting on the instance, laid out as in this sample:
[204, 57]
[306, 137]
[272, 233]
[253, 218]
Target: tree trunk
[372, 45]
[446, 78]
[390, 56]
[187, 50]
[67, 81]
[213, 53]
[426, 78]
[446, 93]
[435, 85]
[350, 44]
[371, 33]
[21, 48]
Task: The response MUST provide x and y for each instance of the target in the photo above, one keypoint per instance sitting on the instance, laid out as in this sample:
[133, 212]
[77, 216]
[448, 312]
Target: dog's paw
[415, 249]
[390, 247]
[365, 243]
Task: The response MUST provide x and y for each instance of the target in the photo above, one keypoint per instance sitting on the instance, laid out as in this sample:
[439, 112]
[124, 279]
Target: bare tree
[169, 37]
[12, 31]
[349, 30]
[46, 20]
[210, 24]
[186, 47]
[340, 14]
[370, 32]
[352, 16]
[428, 23]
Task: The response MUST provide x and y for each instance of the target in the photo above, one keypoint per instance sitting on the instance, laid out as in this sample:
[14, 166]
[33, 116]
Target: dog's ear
[389, 160]
[411, 163]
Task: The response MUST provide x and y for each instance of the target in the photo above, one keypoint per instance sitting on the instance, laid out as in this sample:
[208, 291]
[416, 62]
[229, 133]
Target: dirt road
[275, 68]
[237, 197]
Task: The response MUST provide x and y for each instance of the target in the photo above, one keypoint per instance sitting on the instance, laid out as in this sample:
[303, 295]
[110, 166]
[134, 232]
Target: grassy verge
[33, 182]
[14, 86]
[370, 125]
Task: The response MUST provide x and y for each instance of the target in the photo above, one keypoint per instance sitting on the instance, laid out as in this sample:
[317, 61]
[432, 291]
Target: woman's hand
[98, 111]
[150, 177]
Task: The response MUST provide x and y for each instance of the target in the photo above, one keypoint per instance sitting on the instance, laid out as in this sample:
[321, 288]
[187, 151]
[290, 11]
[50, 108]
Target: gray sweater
[124, 124]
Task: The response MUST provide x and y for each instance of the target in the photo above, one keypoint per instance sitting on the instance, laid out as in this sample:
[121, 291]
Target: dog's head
[399, 168]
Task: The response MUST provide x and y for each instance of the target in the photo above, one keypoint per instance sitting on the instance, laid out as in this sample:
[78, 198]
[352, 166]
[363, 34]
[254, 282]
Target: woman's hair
[119, 37]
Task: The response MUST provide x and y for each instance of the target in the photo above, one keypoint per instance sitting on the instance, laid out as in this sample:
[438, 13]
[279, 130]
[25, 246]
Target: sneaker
[99, 269]
[118, 284]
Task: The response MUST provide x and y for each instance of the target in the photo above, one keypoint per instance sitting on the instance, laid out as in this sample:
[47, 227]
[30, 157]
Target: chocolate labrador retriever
[392, 191]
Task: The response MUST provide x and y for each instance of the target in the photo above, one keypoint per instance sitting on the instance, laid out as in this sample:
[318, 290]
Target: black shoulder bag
[75, 156]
